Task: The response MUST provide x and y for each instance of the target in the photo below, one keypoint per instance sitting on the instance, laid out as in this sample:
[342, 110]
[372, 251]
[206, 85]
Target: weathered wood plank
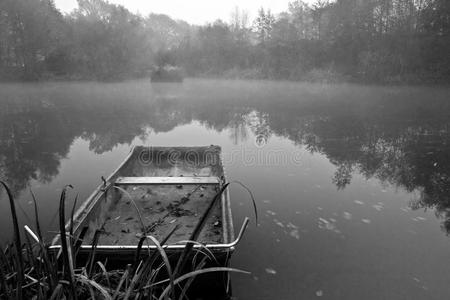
[166, 180]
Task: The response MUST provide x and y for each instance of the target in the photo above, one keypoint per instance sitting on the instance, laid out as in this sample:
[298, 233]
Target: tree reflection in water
[398, 135]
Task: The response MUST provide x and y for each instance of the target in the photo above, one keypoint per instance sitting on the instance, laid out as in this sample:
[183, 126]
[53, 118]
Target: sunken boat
[163, 192]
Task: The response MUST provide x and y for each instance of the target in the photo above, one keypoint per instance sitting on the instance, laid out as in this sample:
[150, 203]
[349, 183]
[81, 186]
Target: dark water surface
[352, 182]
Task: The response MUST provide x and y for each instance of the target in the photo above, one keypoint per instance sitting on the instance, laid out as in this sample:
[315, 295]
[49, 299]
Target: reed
[51, 275]
[18, 243]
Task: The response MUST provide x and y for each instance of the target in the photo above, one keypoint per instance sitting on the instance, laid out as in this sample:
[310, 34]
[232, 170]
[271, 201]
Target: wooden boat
[156, 189]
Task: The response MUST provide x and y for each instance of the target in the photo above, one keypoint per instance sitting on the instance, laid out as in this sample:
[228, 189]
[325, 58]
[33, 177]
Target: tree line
[98, 40]
[370, 40]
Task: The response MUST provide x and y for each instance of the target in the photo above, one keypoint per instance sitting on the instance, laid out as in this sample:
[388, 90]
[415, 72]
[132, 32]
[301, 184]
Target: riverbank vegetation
[32, 270]
[372, 41]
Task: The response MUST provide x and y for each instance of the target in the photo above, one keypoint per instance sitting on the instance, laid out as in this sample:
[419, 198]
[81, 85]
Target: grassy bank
[328, 75]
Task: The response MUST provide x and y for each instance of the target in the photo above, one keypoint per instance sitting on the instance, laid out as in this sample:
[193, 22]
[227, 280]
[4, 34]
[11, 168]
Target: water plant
[32, 270]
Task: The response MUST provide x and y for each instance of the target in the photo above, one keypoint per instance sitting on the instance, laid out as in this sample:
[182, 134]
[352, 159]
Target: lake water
[352, 182]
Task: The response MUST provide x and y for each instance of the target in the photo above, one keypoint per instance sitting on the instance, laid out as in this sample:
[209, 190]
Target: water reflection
[399, 136]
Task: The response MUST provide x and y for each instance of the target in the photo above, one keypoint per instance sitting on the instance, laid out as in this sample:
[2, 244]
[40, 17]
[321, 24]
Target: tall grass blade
[91, 258]
[119, 286]
[36, 216]
[135, 206]
[5, 268]
[32, 234]
[105, 273]
[207, 252]
[252, 198]
[138, 253]
[56, 293]
[198, 228]
[18, 242]
[146, 269]
[3, 285]
[80, 239]
[71, 215]
[63, 238]
[91, 283]
[166, 264]
[191, 280]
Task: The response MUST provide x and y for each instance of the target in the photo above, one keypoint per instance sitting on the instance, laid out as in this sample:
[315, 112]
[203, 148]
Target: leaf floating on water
[271, 213]
[271, 271]
[347, 215]
[278, 223]
[292, 226]
[294, 233]
[319, 293]
[319, 208]
[367, 221]
[358, 202]
[325, 224]
[421, 218]
[378, 207]
[323, 221]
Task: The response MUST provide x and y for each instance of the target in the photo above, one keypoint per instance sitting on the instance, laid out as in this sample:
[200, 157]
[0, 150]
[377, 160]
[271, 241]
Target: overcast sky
[192, 11]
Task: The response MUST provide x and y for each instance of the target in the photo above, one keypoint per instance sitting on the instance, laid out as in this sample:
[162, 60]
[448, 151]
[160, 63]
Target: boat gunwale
[230, 247]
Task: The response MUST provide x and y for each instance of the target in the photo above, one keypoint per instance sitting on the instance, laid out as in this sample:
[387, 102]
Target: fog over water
[352, 182]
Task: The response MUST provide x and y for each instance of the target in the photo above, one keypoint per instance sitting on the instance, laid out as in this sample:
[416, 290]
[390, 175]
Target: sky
[193, 11]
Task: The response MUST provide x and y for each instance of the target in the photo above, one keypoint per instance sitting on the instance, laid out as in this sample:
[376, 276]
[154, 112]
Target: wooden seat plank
[166, 180]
